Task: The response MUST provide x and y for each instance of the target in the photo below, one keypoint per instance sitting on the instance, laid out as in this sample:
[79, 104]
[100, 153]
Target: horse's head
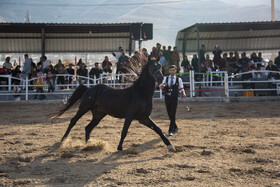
[155, 70]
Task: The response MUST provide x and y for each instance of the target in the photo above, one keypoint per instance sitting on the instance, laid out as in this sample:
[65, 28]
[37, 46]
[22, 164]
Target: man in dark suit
[171, 86]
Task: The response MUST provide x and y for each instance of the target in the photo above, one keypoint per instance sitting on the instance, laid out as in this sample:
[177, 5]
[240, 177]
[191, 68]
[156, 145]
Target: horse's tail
[76, 96]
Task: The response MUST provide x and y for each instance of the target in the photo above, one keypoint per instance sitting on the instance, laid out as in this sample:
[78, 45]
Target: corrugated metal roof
[240, 36]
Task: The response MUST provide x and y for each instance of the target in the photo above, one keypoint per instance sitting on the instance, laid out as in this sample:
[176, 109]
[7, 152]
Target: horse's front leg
[151, 124]
[127, 123]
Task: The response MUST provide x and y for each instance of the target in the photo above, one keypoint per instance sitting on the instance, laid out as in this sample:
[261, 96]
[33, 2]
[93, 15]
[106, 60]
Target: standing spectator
[201, 55]
[107, 65]
[8, 65]
[154, 54]
[26, 69]
[118, 53]
[158, 48]
[277, 60]
[95, 72]
[82, 71]
[71, 73]
[271, 67]
[50, 78]
[45, 63]
[163, 63]
[168, 56]
[217, 55]
[58, 65]
[176, 58]
[40, 64]
[123, 61]
[145, 52]
[172, 85]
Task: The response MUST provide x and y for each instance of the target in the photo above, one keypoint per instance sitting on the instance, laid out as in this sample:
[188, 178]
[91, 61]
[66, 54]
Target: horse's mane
[136, 66]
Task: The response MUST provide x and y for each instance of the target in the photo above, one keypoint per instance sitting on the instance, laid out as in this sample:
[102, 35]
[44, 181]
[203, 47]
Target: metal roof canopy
[243, 36]
[65, 37]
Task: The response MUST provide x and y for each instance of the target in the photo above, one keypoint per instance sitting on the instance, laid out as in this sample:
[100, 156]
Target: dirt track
[218, 144]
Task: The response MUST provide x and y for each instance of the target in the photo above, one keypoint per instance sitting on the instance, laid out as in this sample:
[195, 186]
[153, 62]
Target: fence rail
[217, 83]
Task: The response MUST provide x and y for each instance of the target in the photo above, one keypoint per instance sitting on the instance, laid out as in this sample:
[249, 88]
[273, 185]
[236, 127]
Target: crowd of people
[231, 62]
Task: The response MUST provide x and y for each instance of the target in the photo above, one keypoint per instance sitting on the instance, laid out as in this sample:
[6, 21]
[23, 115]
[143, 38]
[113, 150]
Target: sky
[167, 16]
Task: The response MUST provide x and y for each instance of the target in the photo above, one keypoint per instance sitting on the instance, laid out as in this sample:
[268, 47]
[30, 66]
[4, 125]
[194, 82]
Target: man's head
[26, 56]
[172, 70]
[122, 51]
[175, 48]
[96, 64]
[164, 47]
[169, 48]
[158, 45]
[120, 48]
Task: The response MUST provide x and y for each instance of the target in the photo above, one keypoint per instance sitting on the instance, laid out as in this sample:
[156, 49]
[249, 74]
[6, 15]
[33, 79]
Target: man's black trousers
[171, 107]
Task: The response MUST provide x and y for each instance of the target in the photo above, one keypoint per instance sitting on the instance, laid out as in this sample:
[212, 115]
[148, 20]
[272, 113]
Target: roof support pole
[43, 42]
[199, 65]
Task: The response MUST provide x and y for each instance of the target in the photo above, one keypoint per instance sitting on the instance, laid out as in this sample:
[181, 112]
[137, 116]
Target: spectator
[158, 48]
[164, 52]
[236, 56]
[176, 59]
[244, 62]
[71, 72]
[61, 77]
[186, 64]
[82, 71]
[122, 63]
[118, 54]
[163, 63]
[3, 71]
[107, 65]
[26, 69]
[96, 71]
[154, 54]
[58, 65]
[271, 67]
[222, 64]
[168, 56]
[260, 59]
[254, 57]
[201, 55]
[232, 64]
[8, 65]
[16, 73]
[145, 52]
[39, 85]
[217, 55]
[40, 64]
[195, 63]
[277, 61]
[80, 62]
[50, 78]
[46, 64]
[209, 61]
[207, 67]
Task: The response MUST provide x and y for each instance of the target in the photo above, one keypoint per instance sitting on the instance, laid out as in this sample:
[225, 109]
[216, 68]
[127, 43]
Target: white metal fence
[218, 83]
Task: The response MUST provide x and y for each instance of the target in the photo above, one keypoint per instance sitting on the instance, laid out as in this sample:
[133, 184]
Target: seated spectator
[3, 71]
[222, 64]
[45, 64]
[39, 85]
[254, 57]
[8, 65]
[61, 77]
[271, 67]
[71, 72]
[244, 62]
[107, 65]
[232, 64]
[195, 63]
[50, 78]
[95, 72]
[82, 71]
[16, 73]
[207, 67]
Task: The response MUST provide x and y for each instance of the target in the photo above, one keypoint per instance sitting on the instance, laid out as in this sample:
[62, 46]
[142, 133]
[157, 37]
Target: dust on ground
[218, 144]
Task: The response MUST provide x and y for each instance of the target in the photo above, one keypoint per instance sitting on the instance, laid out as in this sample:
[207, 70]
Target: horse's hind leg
[97, 117]
[149, 123]
[73, 121]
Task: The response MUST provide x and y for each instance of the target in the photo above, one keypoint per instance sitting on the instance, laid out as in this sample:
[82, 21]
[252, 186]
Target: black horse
[132, 103]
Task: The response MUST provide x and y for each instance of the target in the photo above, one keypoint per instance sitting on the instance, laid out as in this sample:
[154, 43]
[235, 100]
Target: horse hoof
[171, 148]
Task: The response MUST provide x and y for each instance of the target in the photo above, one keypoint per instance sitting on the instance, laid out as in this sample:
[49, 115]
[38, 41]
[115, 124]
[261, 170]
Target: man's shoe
[170, 133]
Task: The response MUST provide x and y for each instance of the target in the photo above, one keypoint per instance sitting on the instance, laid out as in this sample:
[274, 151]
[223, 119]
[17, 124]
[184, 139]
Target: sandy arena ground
[218, 144]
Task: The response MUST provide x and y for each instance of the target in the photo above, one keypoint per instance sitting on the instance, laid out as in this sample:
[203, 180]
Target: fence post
[26, 87]
[193, 83]
[9, 82]
[226, 85]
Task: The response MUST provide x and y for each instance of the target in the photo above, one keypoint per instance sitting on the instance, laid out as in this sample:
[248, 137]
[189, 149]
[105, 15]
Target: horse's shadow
[62, 170]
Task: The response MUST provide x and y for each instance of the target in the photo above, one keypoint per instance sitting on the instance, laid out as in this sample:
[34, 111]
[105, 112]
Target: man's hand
[184, 95]
[163, 85]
